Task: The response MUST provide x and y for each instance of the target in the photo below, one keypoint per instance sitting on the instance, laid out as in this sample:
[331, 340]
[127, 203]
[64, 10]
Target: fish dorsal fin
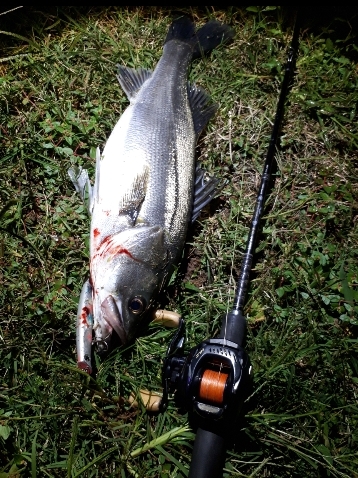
[202, 109]
[204, 191]
[131, 80]
[133, 197]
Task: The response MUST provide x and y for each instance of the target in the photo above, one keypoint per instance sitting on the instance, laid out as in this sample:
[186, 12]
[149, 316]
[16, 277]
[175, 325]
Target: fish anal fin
[204, 192]
[131, 79]
[201, 107]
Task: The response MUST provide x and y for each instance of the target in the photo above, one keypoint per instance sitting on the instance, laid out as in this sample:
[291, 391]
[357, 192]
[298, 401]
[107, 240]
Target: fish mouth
[113, 317]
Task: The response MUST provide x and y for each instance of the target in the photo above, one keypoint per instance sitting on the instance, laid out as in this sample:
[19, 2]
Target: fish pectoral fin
[131, 80]
[147, 245]
[81, 182]
[202, 109]
[204, 191]
[132, 198]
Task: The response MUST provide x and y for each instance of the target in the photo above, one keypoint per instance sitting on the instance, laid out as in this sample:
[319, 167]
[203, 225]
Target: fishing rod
[212, 381]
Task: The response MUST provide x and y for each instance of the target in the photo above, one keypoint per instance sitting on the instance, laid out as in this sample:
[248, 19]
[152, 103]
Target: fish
[147, 190]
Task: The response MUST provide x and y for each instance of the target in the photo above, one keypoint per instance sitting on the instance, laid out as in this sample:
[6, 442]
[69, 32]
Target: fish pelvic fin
[81, 182]
[201, 107]
[210, 36]
[204, 192]
[95, 194]
[131, 80]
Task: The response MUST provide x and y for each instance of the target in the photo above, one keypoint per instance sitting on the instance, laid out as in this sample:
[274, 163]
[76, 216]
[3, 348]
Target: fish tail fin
[182, 29]
[208, 37]
[211, 35]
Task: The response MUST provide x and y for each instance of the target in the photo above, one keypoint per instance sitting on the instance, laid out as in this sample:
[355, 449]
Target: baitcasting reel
[211, 382]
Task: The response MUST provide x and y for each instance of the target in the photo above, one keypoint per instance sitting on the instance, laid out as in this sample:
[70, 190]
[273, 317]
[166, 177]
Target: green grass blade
[72, 446]
[33, 457]
[161, 440]
[97, 460]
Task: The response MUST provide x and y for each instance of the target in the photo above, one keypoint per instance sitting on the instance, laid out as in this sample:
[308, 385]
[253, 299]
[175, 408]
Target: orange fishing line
[212, 386]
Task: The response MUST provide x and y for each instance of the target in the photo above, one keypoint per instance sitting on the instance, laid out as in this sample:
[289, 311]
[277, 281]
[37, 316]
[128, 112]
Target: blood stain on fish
[105, 240]
[108, 247]
[84, 314]
[96, 232]
[114, 250]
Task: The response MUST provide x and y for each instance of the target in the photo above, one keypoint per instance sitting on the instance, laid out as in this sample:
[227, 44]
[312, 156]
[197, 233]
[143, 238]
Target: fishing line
[232, 283]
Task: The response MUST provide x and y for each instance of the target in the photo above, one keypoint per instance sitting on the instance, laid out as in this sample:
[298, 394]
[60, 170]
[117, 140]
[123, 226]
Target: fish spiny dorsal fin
[211, 35]
[201, 109]
[204, 191]
[134, 196]
[131, 80]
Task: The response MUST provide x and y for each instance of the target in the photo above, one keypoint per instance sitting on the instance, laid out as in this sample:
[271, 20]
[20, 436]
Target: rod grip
[208, 455]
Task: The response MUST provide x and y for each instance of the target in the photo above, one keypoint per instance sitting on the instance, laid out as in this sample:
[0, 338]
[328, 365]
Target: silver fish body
[144, 189]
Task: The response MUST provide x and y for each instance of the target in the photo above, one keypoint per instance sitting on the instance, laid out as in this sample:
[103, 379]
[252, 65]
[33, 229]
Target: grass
[59, 101]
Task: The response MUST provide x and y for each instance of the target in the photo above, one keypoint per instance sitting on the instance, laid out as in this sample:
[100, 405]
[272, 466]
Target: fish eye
[137, 304]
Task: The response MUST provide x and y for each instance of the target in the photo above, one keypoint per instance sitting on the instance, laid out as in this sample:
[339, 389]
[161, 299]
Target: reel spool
[212, 387]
